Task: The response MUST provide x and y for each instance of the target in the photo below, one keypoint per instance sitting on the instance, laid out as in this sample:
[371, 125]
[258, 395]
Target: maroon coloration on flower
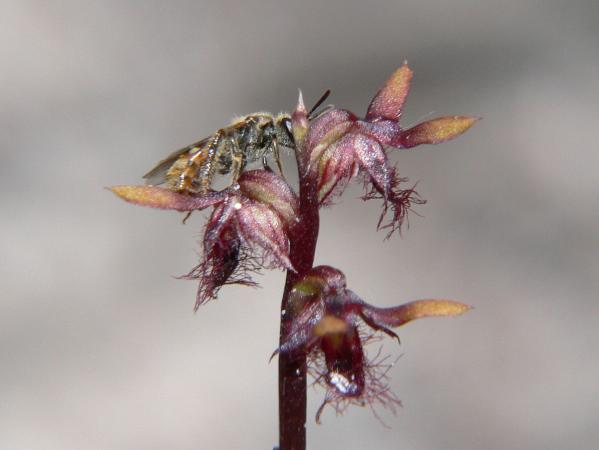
[247, 230]
[389, 100]
[270, 189]
[342, 349]
[341, 146]
[328, 321]
[224, 261]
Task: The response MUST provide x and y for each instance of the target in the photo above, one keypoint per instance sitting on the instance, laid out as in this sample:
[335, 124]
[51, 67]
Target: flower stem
[292, 366]
[292, 402]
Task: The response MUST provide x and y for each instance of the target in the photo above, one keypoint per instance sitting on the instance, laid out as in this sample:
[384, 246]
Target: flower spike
[259, 222]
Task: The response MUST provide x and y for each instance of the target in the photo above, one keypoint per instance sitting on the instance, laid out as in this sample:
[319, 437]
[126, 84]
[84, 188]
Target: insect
[227, 151]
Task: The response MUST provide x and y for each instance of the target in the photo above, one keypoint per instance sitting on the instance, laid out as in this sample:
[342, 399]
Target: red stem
[292, 366]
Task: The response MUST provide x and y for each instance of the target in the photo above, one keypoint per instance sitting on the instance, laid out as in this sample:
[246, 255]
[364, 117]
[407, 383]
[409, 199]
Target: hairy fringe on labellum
[335, 193]
[396, 200]
[376, 393]
[212, 276]
[229, 260]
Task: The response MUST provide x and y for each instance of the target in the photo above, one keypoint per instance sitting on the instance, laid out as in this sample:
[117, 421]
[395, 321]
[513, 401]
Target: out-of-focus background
[99, 348]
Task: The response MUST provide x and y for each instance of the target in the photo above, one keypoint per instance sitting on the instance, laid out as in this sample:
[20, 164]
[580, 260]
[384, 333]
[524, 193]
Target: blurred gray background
[99, 348]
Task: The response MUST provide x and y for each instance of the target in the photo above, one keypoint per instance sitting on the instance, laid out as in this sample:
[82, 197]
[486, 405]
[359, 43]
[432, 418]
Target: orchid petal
[218, 265]
[161, 198]
[219, 219]
[344, 357]
[373, 160]
[323, 125]
[399, 315]
[270, 189]
[336, 167]
[260, 225]
[388, 102]
[386, 132]
[436, 131]
[303, 324]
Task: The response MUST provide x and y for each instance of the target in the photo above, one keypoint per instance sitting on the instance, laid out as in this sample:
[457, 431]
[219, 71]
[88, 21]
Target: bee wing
[158, 174]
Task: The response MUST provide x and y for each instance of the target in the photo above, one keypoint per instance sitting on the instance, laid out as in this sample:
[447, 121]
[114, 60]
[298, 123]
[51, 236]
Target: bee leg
[205, 166]
[265, 164]
[186, 217]
[237, 163]
[277, 156]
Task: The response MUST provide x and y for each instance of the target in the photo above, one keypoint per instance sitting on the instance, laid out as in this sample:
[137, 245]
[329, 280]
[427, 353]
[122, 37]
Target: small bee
[248, 139]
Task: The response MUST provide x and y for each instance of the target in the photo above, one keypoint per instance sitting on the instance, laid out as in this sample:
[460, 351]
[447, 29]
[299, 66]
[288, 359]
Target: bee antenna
[320, 101]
